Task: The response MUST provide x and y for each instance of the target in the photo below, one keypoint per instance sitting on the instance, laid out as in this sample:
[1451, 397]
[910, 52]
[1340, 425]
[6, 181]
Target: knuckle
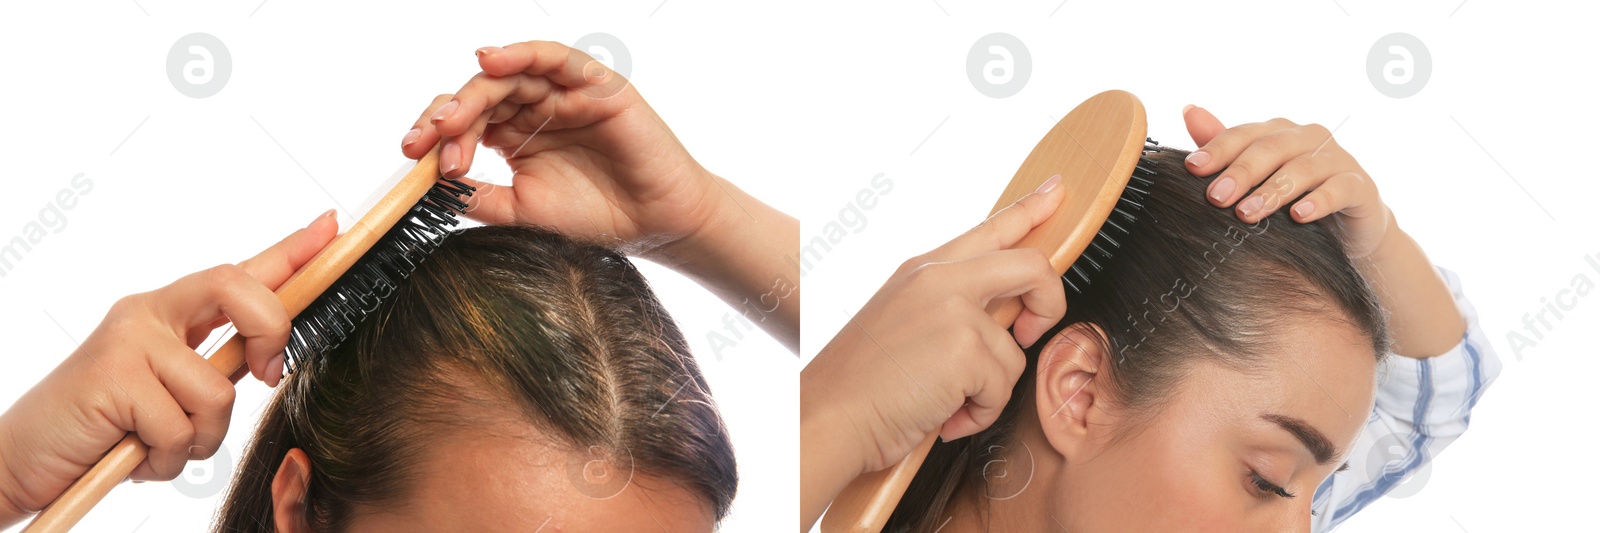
[219, 282]
[1013, 363]
[1317, 130]
[925, 273]
[201, 453]
[1000, 383]
[1272, 142]
[278, 323]
[123, 308]
[574, 55]
[910, 266]
[473, 90]
[952, 307]
[1017, 365]
[220, 398]
[1002, 346]
[127, 316]
[1227, 137]
[179, 437]
[970, 339]
[1243, 166]
[1037, 260]
[1301, 164]
[225, 275]
[1283, 181]
[1280, 122]
[170, 470]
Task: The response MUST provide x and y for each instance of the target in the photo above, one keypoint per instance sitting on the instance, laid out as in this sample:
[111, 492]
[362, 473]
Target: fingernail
[444, 112]
[1304, 209]
[1198, 158]
[411, 137]
[1048, 185]
[449, 158]
[1250, 205]
[275, 370]
[1221, 189]
[325, 214]
[485, 51]
[196, 450]
[1186, 109]
[137, 480]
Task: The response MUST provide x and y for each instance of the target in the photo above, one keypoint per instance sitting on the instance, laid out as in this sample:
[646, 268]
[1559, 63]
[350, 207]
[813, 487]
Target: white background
[1517, 77]
[802, 104]
[202, 183]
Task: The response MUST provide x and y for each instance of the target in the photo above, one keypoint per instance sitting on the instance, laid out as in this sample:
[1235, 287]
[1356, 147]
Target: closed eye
[1268, 487]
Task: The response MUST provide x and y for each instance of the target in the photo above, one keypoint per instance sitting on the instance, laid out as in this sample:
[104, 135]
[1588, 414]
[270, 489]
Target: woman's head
[516, 380]
[1207, 352]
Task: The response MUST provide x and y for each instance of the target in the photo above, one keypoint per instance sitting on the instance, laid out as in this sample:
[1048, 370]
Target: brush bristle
[1126, 212]
[334, 315]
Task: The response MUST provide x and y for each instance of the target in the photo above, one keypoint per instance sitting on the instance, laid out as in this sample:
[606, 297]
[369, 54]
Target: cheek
[1200, 483]
[1167, 478]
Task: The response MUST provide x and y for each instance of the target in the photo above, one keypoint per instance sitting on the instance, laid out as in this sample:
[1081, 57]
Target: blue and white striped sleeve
[1422, 406]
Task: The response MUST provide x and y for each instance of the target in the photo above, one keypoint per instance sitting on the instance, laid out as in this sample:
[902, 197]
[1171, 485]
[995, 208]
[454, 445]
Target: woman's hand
[1290, 161]
[923, 355]
[138, 372]
[590, 159]
[1287, 160]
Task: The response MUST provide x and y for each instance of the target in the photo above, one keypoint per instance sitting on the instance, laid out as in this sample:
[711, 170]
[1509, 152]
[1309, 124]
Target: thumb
[1203, 126]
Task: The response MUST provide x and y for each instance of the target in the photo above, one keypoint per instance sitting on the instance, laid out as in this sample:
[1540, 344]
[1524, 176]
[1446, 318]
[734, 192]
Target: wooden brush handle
[296, 294]
[1094, 149]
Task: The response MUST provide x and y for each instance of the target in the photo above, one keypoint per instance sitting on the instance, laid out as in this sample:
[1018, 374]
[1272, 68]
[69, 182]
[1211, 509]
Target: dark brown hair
[1190, 282]
[499, 320]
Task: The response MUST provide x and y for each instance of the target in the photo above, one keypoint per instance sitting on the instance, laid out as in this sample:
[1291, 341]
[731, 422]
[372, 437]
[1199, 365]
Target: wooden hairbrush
[327, 297]
[1097, 150]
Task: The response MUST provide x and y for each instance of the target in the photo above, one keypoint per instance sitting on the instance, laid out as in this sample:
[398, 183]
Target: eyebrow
[1318, 444]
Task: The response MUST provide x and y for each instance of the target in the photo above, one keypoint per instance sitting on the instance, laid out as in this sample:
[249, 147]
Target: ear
[289, 492]
[1070, 400]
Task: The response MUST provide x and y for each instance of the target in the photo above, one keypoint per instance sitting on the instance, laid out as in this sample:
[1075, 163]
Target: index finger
[1225, 146]
[566, 66]
[563, 64]
[1006, 227]
[484, 94]
[1001, 274]
[273, 266]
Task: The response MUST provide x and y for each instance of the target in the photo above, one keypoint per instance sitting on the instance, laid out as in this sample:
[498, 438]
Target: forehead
[510, 478]
[1317, 369]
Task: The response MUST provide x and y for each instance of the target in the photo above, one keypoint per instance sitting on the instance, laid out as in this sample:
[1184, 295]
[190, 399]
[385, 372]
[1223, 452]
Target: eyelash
[1268, 487]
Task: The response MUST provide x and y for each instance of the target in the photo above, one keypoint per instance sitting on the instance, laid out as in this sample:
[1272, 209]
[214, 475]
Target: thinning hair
[564, 335]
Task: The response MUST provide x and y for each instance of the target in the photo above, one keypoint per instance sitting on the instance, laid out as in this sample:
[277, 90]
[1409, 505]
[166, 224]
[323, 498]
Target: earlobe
[1067, 392]
[289, 492]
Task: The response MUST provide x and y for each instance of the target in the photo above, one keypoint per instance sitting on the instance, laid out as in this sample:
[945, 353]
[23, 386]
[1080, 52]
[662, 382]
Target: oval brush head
[1096, 149]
